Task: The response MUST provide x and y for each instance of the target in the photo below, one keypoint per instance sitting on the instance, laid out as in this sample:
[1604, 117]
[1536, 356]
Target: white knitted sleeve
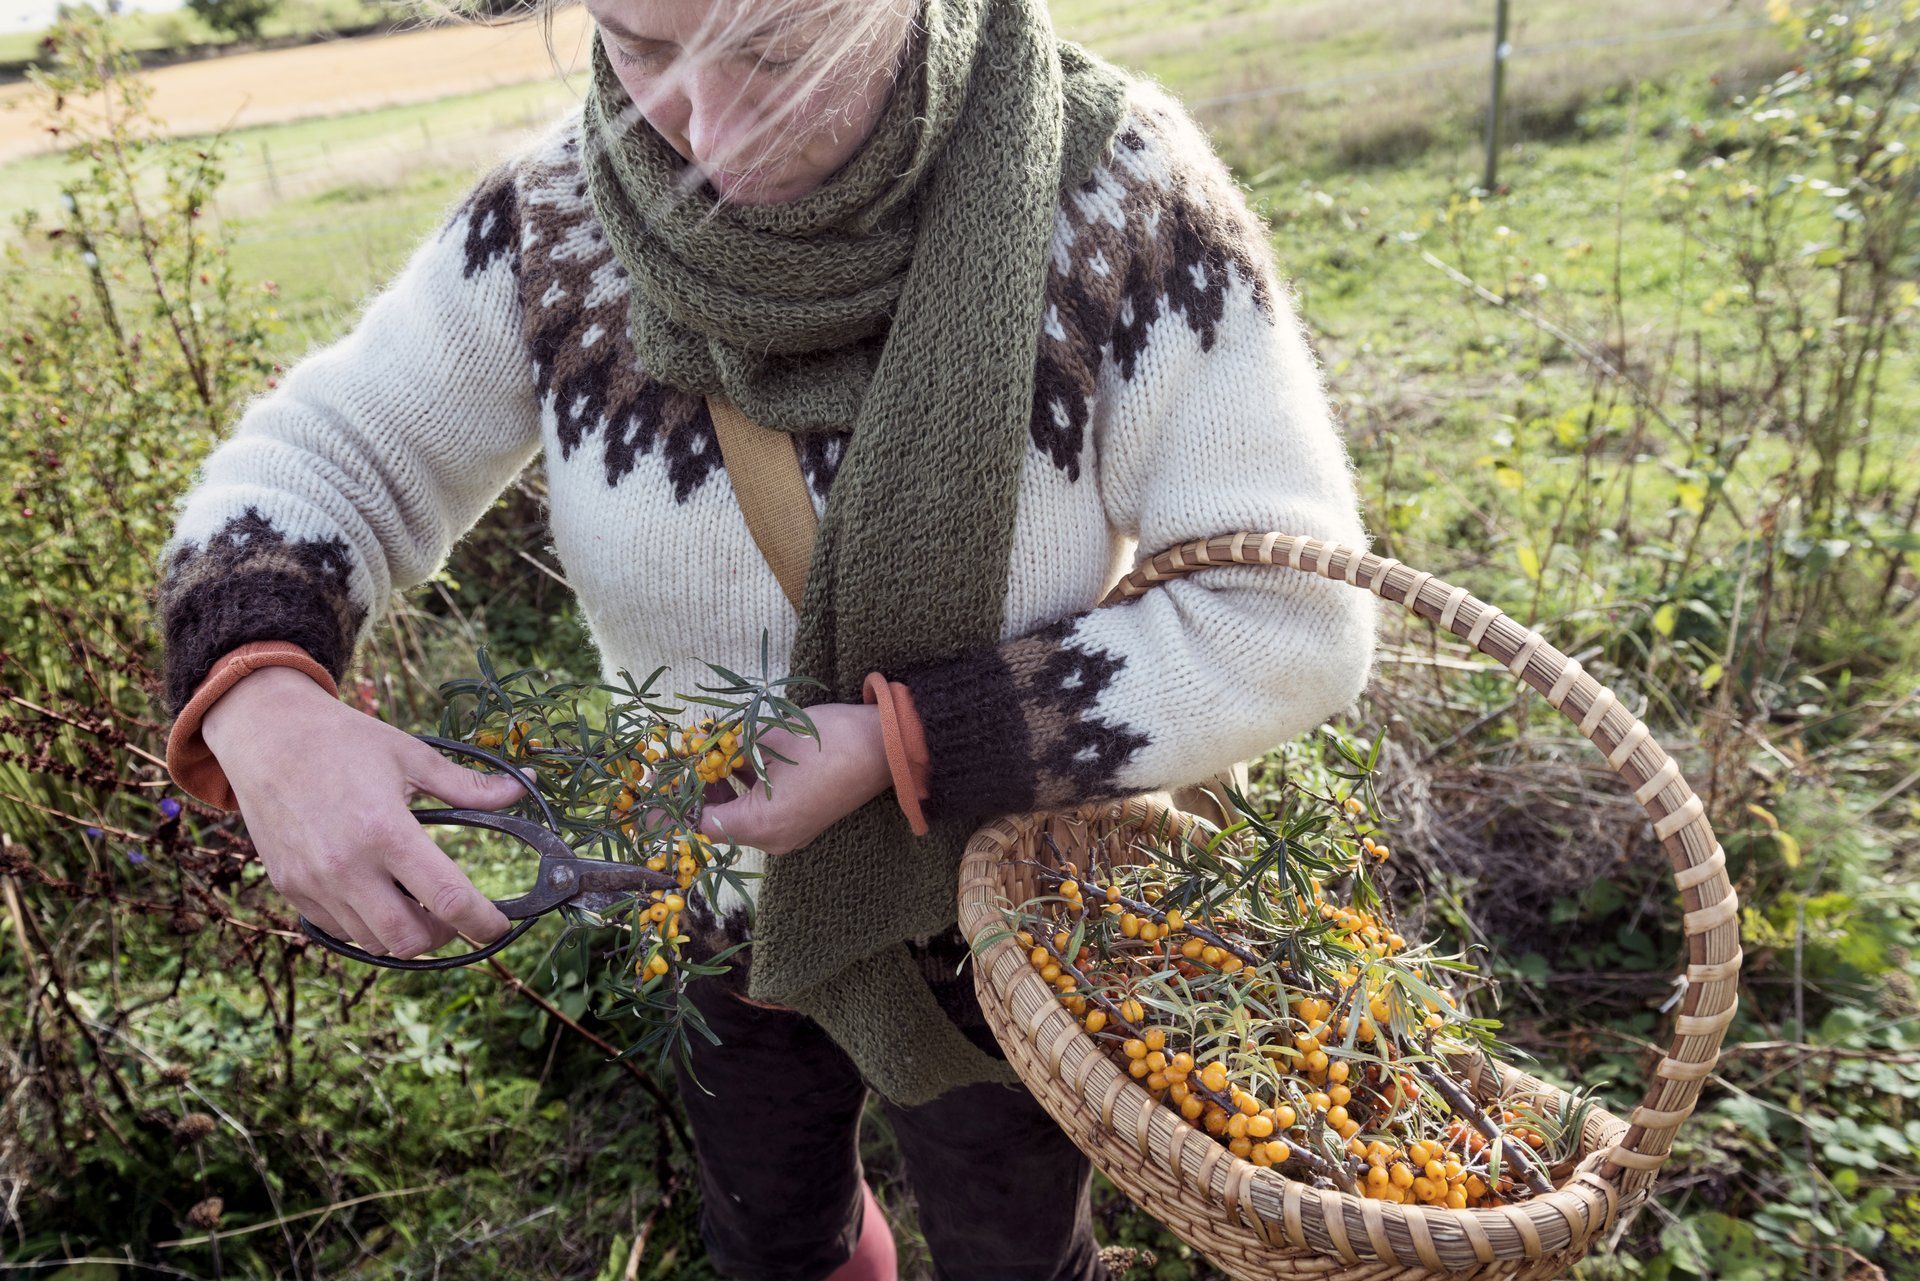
[1232, 661]
[1207, 416]
[357, 472]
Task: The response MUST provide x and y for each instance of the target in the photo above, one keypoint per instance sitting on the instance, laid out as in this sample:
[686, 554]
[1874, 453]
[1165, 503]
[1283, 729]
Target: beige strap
[764, 466]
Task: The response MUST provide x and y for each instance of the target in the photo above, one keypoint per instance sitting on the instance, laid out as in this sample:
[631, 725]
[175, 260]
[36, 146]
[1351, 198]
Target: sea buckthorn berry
[1156, 1038]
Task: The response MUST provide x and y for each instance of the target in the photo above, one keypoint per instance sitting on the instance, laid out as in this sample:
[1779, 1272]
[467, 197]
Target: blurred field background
[1655, 394]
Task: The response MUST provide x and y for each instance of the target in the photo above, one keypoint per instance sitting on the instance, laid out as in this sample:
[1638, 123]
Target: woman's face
[745, 98]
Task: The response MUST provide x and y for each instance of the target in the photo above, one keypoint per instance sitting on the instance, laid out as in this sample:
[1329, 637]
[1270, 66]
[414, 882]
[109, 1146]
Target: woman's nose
[718, 116]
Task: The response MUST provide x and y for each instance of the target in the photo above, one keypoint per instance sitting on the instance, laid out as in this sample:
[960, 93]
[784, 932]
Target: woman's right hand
[324, 791]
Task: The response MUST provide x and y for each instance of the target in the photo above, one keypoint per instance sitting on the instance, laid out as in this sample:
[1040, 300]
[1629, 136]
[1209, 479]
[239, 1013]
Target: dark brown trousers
[775, 1110]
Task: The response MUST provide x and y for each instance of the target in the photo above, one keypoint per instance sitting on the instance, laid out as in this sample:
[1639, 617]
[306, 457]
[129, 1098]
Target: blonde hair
[856, 37]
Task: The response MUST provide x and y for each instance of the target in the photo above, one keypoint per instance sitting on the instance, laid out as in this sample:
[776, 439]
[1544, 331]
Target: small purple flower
[135, 856]
[170, 807]
[94, 832]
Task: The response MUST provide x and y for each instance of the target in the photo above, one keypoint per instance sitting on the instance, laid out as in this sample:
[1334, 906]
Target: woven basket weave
[1255, 1223]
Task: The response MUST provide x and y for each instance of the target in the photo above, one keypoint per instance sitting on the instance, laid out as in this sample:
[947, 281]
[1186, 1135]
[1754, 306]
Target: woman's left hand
[821, 782]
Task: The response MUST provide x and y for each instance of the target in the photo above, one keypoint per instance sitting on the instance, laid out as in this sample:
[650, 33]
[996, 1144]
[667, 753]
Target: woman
[1021, 327]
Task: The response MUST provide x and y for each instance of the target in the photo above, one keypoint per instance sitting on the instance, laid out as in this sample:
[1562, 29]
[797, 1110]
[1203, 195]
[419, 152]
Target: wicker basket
[1254, 1222]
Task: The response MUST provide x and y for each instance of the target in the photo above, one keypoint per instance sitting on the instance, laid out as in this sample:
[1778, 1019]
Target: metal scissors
[564, 877]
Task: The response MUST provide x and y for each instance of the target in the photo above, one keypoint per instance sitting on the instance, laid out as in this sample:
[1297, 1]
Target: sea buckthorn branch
[1308, 1058]
[1145, 1049]
[1142, 908]
[1463, 1106]
[627, 778]
[1317, 1135]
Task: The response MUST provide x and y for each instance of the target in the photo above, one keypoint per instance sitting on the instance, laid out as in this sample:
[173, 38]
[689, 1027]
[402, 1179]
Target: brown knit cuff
[189, 760]
[250, 582]
[1015, 727]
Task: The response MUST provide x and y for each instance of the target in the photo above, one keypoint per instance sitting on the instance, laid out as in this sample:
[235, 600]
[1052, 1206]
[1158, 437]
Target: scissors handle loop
[523, 910]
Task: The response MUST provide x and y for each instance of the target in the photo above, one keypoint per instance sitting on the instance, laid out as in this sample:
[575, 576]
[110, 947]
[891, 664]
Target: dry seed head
[193, 1127]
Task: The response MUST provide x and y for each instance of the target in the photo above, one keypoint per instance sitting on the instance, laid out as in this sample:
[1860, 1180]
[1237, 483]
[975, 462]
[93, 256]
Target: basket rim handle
[1710, 906]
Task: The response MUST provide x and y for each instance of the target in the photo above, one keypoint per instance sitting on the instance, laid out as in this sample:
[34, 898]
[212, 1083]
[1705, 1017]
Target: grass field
[140, 31]
[1382, 103]
[333, 78]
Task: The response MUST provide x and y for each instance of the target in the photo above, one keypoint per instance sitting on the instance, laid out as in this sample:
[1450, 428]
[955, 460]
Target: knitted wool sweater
[1176, 397]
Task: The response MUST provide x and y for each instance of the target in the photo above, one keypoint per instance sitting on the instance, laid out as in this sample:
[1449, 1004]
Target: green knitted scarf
[903, 298]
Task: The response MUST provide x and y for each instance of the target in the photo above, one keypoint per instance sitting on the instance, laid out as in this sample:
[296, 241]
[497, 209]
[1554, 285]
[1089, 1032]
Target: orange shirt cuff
[189, 760]
[905, 739]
